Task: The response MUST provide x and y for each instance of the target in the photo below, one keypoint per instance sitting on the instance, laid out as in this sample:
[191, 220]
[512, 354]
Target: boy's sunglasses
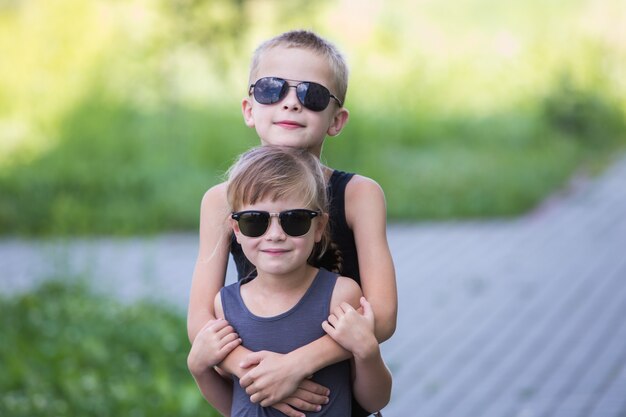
[254, 223]
[313, 96]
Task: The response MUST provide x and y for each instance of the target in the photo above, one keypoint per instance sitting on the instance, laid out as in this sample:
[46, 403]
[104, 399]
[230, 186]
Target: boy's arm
[276, 375]
[366, 215]
[210, 269]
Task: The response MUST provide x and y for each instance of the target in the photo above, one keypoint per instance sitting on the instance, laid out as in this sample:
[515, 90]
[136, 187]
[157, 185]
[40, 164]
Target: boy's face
[288, 122]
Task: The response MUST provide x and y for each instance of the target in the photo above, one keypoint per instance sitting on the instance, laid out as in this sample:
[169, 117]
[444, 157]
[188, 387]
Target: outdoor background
[116, 116]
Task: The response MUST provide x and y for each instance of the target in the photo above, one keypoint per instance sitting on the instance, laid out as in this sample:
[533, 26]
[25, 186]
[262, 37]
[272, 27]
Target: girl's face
[287, 122]
[276, 252]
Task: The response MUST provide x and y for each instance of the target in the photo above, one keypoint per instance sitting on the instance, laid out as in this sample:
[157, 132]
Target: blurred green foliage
[115, 117]
[66, 351]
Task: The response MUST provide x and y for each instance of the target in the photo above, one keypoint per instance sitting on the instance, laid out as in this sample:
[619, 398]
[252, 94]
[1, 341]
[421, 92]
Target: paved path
[515, 318]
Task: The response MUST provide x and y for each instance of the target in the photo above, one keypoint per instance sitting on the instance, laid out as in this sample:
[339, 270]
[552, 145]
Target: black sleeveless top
[340, 234]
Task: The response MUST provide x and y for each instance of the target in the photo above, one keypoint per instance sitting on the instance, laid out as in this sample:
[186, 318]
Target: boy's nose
[291, 99]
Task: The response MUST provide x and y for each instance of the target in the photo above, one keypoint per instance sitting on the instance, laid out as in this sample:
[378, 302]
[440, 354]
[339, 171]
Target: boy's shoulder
[362, 187]
[216, 194]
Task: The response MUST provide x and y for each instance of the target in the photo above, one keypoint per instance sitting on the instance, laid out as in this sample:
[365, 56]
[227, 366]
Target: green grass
[66, 351]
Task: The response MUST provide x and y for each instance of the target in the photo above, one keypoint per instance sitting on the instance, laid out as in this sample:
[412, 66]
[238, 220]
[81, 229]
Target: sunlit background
[117, 115]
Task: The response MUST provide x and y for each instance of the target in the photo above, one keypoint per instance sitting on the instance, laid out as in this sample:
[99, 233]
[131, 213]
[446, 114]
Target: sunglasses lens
[270, 90]
[313, 96]
[295, 222]
[253, 223]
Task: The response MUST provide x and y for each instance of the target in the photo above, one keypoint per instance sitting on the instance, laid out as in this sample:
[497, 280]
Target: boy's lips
[289, 124]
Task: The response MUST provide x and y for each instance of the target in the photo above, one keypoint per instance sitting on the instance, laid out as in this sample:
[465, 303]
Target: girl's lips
[274, 251]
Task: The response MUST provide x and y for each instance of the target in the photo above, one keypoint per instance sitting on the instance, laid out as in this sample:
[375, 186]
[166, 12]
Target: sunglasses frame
[281, 97]
[311, 213]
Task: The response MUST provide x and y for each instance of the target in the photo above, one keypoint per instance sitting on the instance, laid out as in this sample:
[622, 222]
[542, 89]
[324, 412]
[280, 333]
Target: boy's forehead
[294, 64]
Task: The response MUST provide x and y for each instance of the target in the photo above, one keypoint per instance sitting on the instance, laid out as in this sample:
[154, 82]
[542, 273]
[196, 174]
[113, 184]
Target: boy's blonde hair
[277, 172]
[305, 39]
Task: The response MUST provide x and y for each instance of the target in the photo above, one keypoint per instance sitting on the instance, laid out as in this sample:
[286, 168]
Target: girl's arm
[366, 215]
[355, 332]
[216, 390]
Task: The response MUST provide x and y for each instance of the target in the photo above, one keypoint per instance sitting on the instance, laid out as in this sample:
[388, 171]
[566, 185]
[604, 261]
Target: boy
[297, 88]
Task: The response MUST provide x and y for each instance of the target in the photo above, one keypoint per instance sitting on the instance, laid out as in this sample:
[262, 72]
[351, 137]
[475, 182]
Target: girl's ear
[235, 226]
[339, 121]
[320, 227]
[246, 109]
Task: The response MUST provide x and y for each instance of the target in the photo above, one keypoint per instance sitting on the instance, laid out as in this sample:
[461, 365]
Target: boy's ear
[339, 121]
[246, 109]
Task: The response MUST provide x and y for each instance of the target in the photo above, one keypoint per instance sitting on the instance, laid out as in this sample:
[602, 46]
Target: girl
[279, 217]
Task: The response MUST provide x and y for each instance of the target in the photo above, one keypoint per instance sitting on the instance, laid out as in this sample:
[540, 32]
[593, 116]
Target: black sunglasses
[254, 223]
[313, 96]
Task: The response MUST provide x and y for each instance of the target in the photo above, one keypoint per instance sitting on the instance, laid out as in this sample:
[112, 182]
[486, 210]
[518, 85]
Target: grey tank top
[283, 333]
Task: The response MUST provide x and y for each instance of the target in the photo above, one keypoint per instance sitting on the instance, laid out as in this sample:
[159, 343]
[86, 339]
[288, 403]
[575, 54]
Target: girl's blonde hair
[277, 172]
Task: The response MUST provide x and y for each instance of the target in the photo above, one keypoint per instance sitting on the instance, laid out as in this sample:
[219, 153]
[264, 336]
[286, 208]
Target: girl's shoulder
[346, 290]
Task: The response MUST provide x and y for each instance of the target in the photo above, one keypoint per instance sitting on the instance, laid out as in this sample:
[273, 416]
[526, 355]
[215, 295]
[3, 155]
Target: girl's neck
[269, 295]
[284, 283]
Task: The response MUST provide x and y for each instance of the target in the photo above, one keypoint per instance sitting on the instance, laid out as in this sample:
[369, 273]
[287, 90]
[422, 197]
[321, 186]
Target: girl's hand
[212, 344]
[273, 379]
[352, 330]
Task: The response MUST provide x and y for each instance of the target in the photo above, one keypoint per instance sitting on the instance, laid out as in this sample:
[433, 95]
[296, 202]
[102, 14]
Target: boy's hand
[273, 379]
[212, 344]
[310, 396]
[352, 330]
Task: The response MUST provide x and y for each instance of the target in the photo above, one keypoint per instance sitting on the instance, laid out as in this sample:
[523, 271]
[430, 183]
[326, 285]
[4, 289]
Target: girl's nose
[275, 230]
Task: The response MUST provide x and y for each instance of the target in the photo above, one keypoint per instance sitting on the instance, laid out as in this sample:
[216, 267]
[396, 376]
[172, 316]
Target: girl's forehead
[276, 205]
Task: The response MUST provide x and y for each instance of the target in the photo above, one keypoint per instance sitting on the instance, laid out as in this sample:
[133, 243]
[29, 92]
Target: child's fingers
[328, 328]
[346, 308]
[229, 346]
[251, 359]
[215, 326]
[367, 308]
[314, 387]
[229, 339]
[333, 319]
[287, 410]
[225, 331]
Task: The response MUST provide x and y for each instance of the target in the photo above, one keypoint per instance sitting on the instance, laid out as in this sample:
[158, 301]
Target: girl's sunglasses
[313, 96]
[254, 223]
